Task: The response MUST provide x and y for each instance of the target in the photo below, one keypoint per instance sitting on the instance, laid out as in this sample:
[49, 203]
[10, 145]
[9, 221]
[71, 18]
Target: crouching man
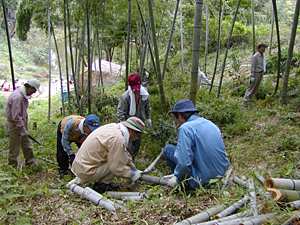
[200, 152]
[103, 155]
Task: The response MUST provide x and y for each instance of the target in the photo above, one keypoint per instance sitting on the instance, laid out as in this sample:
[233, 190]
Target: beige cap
[34, 83]
[135, 123]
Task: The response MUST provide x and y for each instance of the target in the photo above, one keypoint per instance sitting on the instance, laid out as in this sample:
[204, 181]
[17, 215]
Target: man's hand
[71, 158]
[24, 134]
[136, 174]
[148, 122]
[173, 181]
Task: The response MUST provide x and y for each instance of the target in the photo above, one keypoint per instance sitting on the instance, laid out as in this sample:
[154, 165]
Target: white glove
[169, 176]
[172, 182]
[24, 134]
[252, 78]
[148, 122]
[136, 174]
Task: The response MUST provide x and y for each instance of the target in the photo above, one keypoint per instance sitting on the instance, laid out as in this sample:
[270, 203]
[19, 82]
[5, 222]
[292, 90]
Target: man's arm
[66, 135]
[123, 108]
[16, 112]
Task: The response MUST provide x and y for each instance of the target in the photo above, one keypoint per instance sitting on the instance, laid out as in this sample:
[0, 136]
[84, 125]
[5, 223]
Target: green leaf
[13, 208]
[9, 196]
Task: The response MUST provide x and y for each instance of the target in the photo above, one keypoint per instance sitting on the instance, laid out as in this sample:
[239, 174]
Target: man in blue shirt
[200, 153]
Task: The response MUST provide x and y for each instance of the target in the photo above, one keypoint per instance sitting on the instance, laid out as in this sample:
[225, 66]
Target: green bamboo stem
[231, 209]
[280, 219]
[280, 183]
[281, 195]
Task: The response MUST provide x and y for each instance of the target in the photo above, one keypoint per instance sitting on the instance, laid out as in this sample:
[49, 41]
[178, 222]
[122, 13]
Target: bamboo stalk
[92, 197]
[153, 179]
[280, 183]
[150, 168]
[240, 182]
[294, 218]
[279, 219]
[294, 204]
[231, 209]
[253, 220]
[253, 202]
[226, 180]
[260, 178]
[227, 218]
[281, 195]
[203, 216]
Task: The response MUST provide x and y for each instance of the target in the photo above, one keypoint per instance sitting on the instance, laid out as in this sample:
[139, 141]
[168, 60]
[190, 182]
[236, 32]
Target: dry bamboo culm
[281, 195]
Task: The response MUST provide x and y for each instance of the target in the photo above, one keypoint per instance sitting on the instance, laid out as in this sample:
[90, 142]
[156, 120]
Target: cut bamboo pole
[122, 194]
[240, 182]
[227, 218]
[253, 220]
[92, 197]
[203, 216]
[294, 218]
[294, 204]
[150, 168]
[281, 195]
[280, 183]
[259, 178]
[226, 180]
[253, 202]
[280, 219]
[153, 179]
[231, 209]
[133, 197]
[101, 196]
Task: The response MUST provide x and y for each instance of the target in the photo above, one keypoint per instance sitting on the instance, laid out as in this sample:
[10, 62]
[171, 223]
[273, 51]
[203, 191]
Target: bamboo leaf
[9, 196]
[13, 208]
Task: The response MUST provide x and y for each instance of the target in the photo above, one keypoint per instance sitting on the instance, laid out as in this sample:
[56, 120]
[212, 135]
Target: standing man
[258, 67]
[103, 155]
[202, 77]
[72, 129]
[134, 102]
[17, 122]
[199, 155]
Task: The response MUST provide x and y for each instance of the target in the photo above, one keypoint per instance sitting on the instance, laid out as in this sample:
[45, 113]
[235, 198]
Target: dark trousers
[134, 147]
[61, 156]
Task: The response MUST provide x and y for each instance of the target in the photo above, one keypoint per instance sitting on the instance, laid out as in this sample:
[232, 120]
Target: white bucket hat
[35, 83]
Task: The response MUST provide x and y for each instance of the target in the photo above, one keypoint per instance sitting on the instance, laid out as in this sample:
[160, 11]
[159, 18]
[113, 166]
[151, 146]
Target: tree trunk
[9, 46]
[170, 40]
[253, 27]
[89, 56]
[72, 62]
[278, 43]
[66, 56]
[271, 39]
[206, 37]
[181, 39]
[60, 73]
[228, 46]
[128, 43]
[100, 79]
[195, 50]
[290, 53]
[49, 43]
[218, 48]
[159, 78]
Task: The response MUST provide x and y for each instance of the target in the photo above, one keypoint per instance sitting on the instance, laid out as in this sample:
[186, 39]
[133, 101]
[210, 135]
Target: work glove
[252, 78]
[71, 158]
[148, 122]
[136, 174]
[173, 181]
[24, 134]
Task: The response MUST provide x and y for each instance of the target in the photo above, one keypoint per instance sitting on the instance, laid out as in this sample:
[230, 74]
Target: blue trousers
[168, 153]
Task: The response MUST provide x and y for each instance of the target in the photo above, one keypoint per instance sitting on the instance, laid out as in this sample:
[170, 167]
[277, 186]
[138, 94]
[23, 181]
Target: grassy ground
[260, 136]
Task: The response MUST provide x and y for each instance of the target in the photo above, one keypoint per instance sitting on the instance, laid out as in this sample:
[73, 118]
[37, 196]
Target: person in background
[134, 102]
[258, 67]
[199, 155]
[145, 77]
[17, 122]
[72, 128]
[103, 155]
[201, 76]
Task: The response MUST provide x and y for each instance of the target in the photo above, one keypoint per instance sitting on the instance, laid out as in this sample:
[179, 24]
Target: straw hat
[135, 123]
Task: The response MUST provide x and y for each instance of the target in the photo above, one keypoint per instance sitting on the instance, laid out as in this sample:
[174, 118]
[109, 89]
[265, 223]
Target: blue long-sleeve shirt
[200, 152]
